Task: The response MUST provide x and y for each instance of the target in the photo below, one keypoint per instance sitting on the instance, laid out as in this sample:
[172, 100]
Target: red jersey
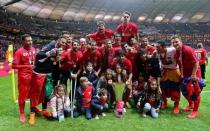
[71, 59]
[133, 56]
[126, 63]
[100, 38]
[186, 60]
[108, 56]
[127, 31]
[68, 46]
[83, 50]
[24, 59]
[87, 95]
[141, 86]
[102, 101]
[151, 102]
[201, 55]
[150, 50]
[117, 47]
[93, 56]
[100, 49]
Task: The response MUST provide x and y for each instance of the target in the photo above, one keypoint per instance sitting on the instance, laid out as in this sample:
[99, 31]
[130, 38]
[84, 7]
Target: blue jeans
[152, 110]
[84, 110]
[97, 111]
[87, 112]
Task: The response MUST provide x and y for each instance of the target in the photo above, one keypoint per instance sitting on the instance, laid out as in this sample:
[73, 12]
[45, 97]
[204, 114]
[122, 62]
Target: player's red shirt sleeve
[119, 29]
[92, 36]
[16, 60]
[113, 63]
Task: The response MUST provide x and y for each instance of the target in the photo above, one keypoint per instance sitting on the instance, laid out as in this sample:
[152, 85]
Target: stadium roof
[168, 11]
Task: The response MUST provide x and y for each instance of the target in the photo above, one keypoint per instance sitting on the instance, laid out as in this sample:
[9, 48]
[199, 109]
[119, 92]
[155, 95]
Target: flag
[9, 55]
[9, 59]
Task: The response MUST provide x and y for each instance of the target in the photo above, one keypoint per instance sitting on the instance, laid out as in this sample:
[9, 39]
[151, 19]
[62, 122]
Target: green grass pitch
[130, 122]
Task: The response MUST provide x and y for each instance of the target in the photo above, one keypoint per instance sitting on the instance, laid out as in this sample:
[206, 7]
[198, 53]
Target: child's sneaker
[96, 117]
[193, 115]
[103, 114]
[22, 117]
[32, 119]
[144, 115]
[46, 114]
[176, 110]
[124, 110]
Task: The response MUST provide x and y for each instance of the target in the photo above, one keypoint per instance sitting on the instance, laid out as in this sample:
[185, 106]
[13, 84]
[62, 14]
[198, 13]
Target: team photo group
[108, 71]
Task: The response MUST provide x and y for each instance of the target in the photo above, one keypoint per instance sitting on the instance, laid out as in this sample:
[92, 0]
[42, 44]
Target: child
[122, 77]
[120, 74]
[84, 96]
[171, 77]
[59, 103]
[138, 87]
[90, 73]
[150, 99]
[107, 82]
[99, 103]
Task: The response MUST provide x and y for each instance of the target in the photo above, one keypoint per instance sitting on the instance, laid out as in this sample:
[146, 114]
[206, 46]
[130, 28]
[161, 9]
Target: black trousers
[111, 95]
[65, 76]
[203, 70]
[56, 75]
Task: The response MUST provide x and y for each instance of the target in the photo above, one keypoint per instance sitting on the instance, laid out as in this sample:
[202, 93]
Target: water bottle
[61, 117]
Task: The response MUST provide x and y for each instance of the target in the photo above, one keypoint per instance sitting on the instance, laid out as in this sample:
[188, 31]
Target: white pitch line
[205, 92]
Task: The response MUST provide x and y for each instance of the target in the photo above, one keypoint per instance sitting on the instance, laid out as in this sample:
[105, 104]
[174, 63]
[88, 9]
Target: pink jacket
[58, 104]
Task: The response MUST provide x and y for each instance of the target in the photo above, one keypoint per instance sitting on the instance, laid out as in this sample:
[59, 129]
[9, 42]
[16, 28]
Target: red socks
[21, 107]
